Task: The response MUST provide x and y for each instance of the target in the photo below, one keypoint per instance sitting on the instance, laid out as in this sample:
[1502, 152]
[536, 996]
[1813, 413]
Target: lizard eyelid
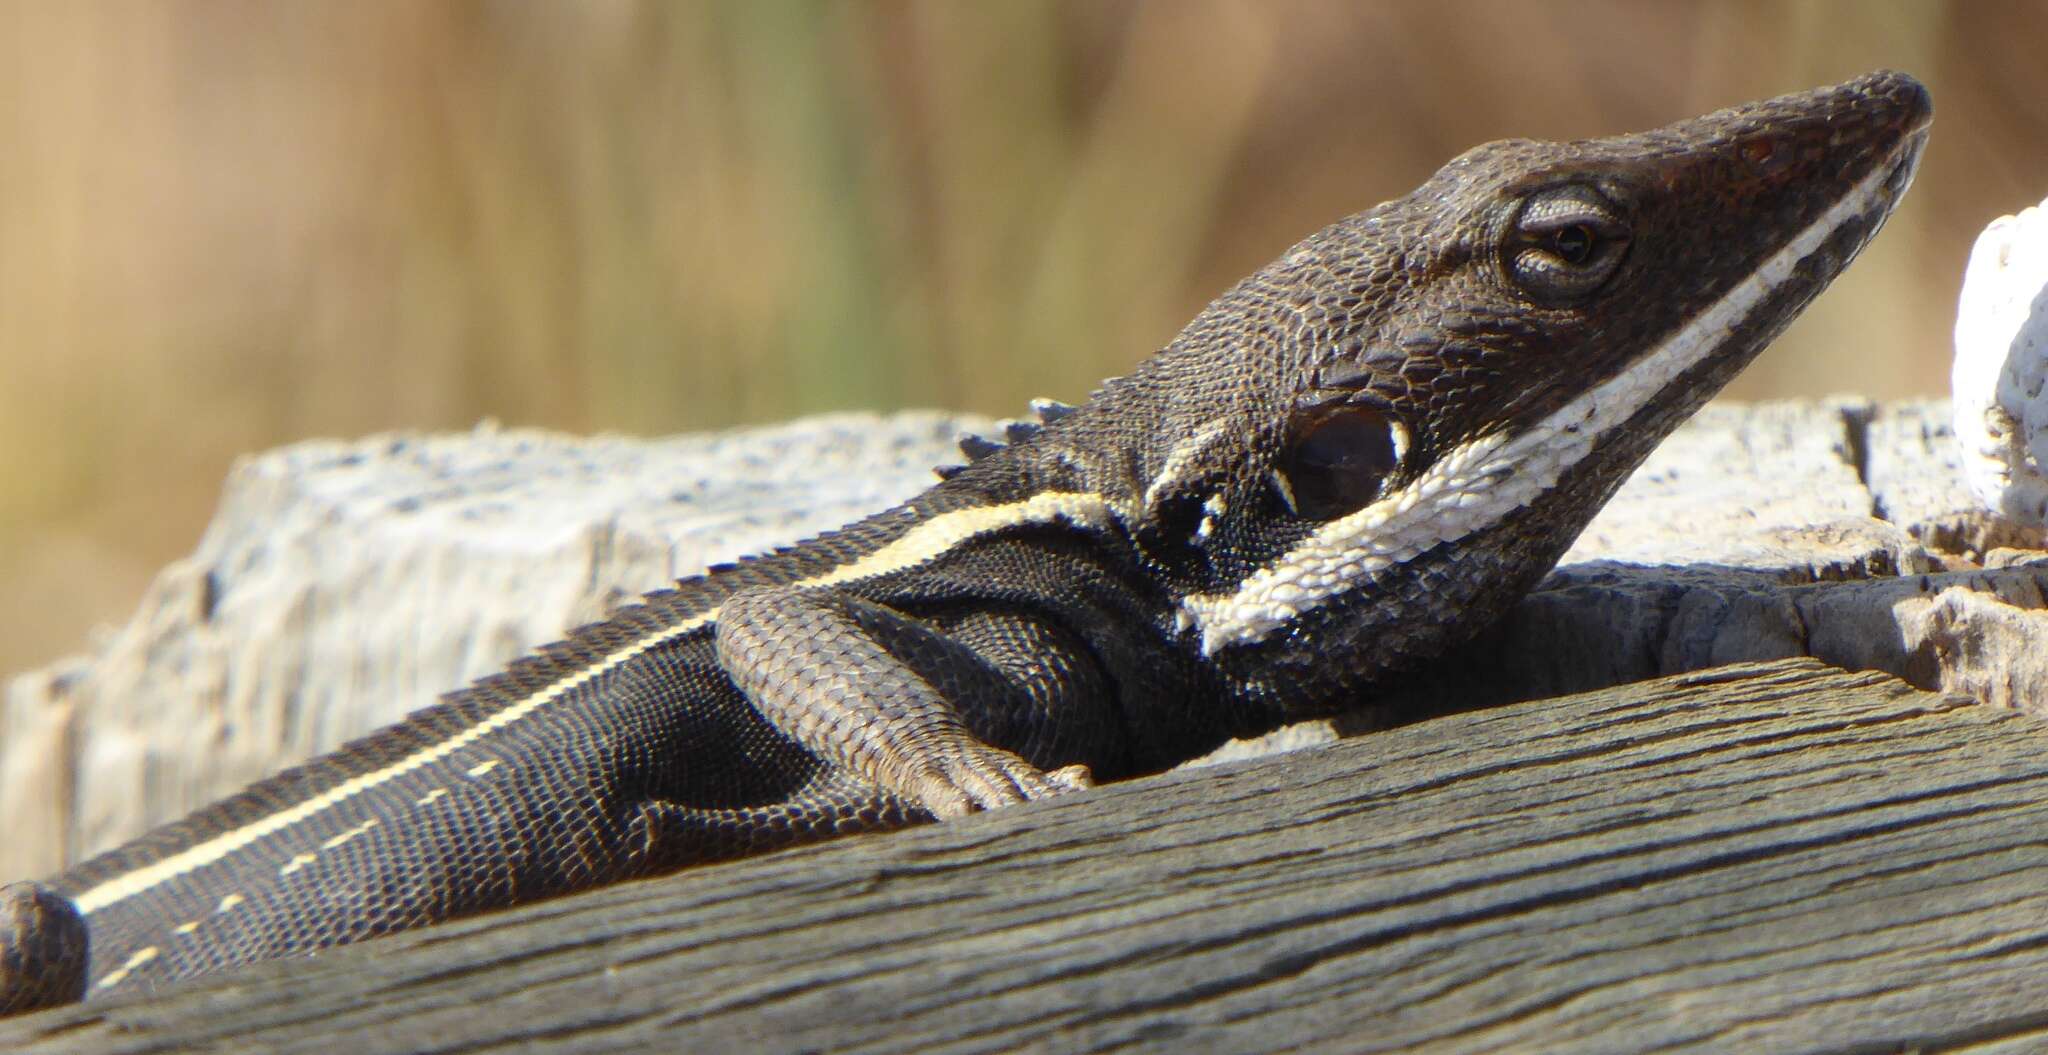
[1572, 206]
[1566, 243]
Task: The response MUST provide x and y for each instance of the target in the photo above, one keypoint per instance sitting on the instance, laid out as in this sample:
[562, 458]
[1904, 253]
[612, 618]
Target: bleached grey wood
[345, 583]
[1771, 858]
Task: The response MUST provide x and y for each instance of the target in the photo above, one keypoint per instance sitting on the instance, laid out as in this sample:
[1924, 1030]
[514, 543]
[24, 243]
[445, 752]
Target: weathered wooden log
[1775, 857]
[345, 583]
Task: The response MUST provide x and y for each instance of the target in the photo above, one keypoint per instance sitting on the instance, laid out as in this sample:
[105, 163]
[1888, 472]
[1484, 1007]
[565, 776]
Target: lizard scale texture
[1352, 460]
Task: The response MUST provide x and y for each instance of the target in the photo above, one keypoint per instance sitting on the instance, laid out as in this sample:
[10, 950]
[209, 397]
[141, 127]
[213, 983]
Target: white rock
[2001, 415]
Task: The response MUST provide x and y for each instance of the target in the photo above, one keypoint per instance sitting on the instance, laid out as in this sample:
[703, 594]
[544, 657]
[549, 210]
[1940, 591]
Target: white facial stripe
[920, 545]
[1487, 480]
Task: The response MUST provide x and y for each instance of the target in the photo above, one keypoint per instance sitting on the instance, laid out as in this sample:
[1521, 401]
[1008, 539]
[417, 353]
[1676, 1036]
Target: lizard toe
[994, 778]
[1071, 778]
[941, 795]
[1014, 780]
[976, 776]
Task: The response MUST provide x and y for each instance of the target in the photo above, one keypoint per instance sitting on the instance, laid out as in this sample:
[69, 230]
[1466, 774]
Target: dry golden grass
[225, 226]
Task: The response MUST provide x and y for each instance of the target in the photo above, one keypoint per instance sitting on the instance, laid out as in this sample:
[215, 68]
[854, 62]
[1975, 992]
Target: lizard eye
[1575, 244]
[1337, 461]
[1566, 244]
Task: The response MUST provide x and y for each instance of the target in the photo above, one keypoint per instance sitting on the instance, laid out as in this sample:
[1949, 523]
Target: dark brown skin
[1048, 614]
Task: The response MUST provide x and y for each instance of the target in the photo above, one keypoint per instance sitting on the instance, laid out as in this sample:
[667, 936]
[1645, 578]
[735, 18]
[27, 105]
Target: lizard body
[1354, 459]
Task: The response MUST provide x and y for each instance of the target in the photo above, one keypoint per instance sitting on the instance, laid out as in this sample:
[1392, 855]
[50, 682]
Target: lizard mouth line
[1488, 479]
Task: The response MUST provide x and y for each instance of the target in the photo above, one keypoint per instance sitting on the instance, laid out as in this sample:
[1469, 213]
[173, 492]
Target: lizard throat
[1486, 481]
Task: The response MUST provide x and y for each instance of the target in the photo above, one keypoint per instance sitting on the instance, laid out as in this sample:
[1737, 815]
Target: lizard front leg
[860, 685]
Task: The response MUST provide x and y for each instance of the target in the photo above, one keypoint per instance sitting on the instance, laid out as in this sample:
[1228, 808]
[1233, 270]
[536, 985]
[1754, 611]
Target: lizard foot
[42, 949]
[974, 776]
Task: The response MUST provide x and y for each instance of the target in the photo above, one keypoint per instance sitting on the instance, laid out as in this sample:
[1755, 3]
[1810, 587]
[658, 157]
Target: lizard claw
[976, 776]
[1072, 778]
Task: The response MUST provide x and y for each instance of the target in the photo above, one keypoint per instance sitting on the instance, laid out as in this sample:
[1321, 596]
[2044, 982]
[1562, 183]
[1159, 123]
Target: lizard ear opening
[1338, 459]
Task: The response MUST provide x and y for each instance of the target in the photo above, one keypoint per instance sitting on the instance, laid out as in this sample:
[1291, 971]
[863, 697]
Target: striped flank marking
[920, 545]
[142, 956]
[349, 834]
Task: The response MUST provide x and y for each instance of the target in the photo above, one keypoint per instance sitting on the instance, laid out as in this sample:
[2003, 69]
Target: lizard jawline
[1488, 479]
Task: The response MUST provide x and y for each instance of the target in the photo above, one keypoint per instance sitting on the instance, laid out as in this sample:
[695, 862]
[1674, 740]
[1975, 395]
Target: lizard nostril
[1766, 156]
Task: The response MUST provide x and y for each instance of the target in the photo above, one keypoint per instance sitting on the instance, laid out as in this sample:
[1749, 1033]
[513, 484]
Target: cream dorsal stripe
[920, 545]
[1486, 480]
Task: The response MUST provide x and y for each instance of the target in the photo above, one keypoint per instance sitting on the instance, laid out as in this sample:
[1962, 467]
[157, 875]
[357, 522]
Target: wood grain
[1759, 858]
[343, 584]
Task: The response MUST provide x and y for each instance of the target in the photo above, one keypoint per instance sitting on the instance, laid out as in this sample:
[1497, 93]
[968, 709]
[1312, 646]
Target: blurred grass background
[230, 225]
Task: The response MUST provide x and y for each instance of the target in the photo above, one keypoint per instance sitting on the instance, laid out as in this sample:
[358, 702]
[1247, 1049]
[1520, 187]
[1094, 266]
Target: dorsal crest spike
[1050, 410]
[978, 447]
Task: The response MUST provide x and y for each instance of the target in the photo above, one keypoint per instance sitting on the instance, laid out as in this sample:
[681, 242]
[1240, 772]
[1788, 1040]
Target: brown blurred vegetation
[227, 225]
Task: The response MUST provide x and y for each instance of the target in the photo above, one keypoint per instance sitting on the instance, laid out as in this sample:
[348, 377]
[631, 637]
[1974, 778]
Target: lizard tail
[43, 949]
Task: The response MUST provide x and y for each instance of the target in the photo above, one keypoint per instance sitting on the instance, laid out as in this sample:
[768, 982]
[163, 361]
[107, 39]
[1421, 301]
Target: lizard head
[1372, 447]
